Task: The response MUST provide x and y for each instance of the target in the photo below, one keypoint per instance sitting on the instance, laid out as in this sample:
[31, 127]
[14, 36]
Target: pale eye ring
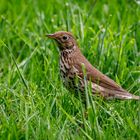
[65, 37]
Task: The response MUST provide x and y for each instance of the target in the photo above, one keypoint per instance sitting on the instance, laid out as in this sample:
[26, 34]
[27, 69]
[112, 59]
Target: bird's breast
[67, 72]
[64, 67]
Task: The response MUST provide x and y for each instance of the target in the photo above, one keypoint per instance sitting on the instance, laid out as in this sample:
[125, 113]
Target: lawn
[34, 104]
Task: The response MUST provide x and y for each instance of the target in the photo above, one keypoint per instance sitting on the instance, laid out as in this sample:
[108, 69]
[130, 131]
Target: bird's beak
[51, 36]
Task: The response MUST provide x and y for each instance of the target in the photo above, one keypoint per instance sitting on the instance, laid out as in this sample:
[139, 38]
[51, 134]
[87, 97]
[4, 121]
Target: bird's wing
[104, 81]
[100, 82]
[96, 76]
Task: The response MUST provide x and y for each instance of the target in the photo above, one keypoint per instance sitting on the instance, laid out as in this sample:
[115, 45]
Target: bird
[77, 72]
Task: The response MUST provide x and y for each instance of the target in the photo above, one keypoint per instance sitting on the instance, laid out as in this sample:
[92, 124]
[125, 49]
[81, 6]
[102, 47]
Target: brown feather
[92, 73]
[71, 64]
[110, 89]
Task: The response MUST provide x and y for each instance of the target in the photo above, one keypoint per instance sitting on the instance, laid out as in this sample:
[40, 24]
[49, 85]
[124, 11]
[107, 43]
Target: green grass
[34, 104]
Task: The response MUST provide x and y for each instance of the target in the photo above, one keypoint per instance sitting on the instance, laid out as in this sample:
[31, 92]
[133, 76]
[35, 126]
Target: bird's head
[65, 40]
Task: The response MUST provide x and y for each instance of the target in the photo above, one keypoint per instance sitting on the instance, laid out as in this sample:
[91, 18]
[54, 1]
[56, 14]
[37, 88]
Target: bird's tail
[125, 95]
[117, 93]
[135, 97]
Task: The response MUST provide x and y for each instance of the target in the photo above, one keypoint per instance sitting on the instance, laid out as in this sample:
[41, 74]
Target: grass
[34, 104]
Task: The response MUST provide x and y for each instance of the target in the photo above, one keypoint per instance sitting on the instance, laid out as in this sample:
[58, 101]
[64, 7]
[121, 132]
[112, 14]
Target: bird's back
[101, 82]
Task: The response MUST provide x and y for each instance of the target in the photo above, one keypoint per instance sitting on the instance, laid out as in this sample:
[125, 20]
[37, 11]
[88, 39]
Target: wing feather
[95, 75]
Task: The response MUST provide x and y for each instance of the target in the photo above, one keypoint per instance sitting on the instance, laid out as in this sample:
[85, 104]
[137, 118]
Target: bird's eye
[65, 37]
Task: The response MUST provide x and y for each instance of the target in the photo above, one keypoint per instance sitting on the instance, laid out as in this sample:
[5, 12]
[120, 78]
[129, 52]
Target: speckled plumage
[71, 70]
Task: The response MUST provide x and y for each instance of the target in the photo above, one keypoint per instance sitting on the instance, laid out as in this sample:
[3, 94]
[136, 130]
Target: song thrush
[71, 68]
